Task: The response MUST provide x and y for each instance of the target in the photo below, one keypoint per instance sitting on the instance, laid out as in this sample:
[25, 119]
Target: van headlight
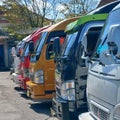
[116, 114]
[39, 77]
[68, 90]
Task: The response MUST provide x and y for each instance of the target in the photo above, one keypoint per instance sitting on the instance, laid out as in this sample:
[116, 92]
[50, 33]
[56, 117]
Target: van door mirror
[81, 60]
[50, 52]
[113, 40]
[112, 48]
[56, 46]
[31, 47]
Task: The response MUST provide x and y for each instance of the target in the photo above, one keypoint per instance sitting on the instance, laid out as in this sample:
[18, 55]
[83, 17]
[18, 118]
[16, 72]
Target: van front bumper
[60, 109]
[86, 116]
[63, 109]
[15, 77]
[22, 82]
[34, 90]
[37, 91]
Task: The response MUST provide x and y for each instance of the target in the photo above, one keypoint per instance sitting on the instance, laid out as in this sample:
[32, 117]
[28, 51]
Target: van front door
[49, 68]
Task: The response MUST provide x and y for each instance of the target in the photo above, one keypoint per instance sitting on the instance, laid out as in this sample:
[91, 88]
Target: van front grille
[99, 113]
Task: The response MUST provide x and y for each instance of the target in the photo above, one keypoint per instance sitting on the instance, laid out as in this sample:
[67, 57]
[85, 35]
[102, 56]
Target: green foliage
[21, 16]
[28, 14]
[22, 20]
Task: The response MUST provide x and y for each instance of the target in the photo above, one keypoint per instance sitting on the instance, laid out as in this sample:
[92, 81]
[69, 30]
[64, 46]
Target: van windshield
[26, 50]
[113, 18]
[45, 39]
[40, 43]
[70, 39]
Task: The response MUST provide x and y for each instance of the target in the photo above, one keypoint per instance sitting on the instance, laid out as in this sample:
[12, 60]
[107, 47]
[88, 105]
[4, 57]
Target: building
[5, 44]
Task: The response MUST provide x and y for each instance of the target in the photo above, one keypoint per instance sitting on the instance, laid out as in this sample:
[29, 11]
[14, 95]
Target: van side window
[88, 44]
[92, 37]
[50, 51]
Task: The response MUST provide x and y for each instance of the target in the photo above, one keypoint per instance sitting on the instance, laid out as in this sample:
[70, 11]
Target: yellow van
[42, 66]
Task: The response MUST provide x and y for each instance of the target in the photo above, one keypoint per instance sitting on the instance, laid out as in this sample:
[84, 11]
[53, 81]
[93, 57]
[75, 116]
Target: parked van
[25, 62]
[71, 71]
[42, 66]
[103, 83]
[16, 53]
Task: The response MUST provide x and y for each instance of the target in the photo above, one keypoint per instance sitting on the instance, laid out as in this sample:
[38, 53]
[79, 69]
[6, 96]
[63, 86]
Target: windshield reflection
[113, 18]
[26, 50]
[40, 43]
[68, 43]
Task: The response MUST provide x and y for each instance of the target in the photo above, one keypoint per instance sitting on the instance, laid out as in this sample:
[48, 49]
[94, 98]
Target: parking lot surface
[14, 105]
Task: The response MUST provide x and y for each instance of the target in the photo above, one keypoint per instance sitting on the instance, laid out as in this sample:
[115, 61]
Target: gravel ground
[14, 105]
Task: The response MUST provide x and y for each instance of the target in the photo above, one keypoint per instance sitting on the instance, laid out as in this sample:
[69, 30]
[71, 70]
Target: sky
[1, 1]
[59, 7]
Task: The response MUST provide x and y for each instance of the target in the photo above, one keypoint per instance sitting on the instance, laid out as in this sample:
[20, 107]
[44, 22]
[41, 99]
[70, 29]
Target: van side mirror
[56, 46]
[112, 48]
[50, 51]
[79, 55]
[113, 40]
[31, 47]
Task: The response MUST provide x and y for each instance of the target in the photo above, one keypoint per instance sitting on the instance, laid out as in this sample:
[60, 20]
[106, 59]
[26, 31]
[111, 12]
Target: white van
[103, 82]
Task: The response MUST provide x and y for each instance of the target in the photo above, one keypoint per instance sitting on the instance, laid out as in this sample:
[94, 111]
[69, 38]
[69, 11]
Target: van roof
[72, 26]
[61, 25]
[36, 33]
[105, 8]
[100, 13]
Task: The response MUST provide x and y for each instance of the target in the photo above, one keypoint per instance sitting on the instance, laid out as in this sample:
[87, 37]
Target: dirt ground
[14, 105]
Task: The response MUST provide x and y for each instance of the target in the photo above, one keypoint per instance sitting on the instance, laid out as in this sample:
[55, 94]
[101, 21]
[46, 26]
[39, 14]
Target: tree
[78, 7]
[25, 10]
[35, 12]
[26, 14]
[54, 8]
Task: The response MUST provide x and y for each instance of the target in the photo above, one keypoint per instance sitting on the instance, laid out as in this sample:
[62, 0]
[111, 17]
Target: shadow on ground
[43, 107]
[17, 89]
[24, 95]
[22, 92]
